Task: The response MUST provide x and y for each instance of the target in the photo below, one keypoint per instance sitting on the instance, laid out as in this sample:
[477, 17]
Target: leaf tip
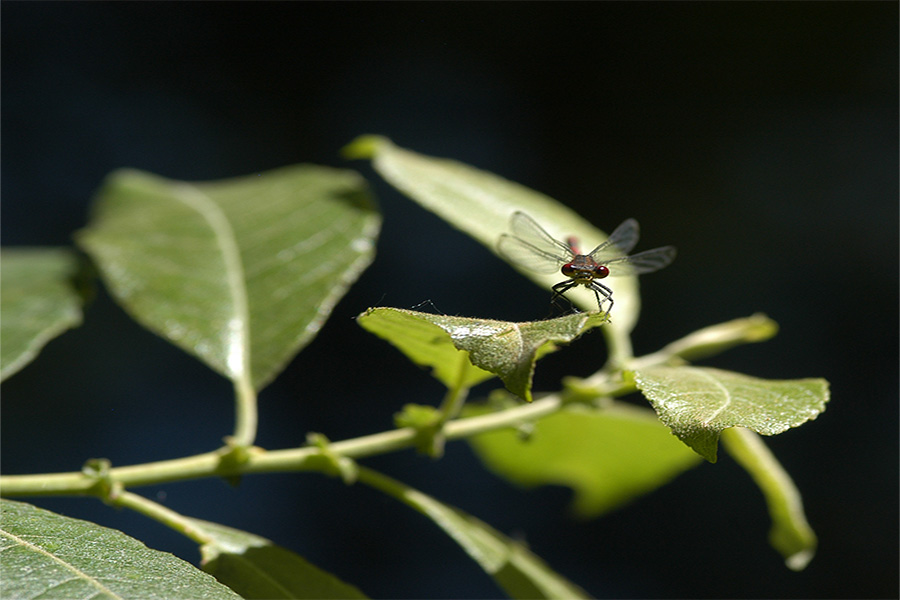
[365, 146]
[799, 560]
[760, 328]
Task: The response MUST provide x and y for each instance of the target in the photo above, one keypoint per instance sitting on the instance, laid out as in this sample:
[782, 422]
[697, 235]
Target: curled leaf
[790, 534]
[461, 349]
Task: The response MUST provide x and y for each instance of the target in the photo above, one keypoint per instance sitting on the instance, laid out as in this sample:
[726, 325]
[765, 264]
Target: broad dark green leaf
[607, 456]
[39, 302]
[697, 403]
[520, 573]
[46, 555]
[466, 351]
[254, 567]
[480, 204]
[241, 273]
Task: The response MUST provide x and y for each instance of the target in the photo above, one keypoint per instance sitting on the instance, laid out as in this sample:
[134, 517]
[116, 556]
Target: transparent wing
[642, 262]
[526, 229]
[619, 243]
[531, 247]
[519, 252]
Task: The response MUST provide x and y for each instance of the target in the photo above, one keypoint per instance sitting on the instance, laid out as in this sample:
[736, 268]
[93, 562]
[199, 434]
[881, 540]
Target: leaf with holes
[46, 555]
[464, 351]
[697, 403]
[241, 273]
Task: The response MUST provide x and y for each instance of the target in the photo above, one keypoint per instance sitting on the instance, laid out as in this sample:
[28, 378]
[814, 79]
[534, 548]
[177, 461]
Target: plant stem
[261, 461]
[158, 512]
[246, 415]
[456, 395]
[605, 382]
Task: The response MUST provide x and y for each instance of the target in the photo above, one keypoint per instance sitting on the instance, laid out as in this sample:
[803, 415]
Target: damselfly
[530, 247]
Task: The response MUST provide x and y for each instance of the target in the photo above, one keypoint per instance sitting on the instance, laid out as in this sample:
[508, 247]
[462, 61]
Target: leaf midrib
[725, 393]
[68, 566]
[237, 358]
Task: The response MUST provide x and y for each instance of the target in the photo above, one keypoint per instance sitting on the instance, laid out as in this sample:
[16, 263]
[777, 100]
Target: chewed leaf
[39, 302]
[240, 273]
[468, 351]
[46, 555]
[697, 403]
[481, 204]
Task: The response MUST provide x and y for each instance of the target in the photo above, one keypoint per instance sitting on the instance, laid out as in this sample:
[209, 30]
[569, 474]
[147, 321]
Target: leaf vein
[78, 573]
[238, 353]
[724, 392]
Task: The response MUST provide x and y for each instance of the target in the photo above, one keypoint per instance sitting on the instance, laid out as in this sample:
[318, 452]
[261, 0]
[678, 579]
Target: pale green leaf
[466, 350]
[254, 567]
[697, 403]
[607, 456]
[790, 533]
[480, 204]
[39, 302]
[242, 272]
[520, 573]
[424, 343]
[46, 555]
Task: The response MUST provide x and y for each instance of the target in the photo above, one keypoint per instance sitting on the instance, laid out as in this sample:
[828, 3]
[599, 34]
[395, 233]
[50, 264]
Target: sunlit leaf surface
[697, 403]
[241, 273]
[471, 350]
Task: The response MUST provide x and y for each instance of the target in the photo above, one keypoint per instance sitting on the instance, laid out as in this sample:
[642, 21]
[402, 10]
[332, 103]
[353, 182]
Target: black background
[761, 139]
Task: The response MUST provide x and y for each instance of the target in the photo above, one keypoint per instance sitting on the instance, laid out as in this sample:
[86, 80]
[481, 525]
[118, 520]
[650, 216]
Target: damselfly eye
[601, 271]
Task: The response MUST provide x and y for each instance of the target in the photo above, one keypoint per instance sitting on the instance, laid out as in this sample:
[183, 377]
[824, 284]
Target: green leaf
[241, 273]
[607, 456]
[39, 302]
[520, 573]
[480, 204]
[46, 555]
[697, 403]
[254, 567]
[790, 533]
[465, 351]
[425, 343]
